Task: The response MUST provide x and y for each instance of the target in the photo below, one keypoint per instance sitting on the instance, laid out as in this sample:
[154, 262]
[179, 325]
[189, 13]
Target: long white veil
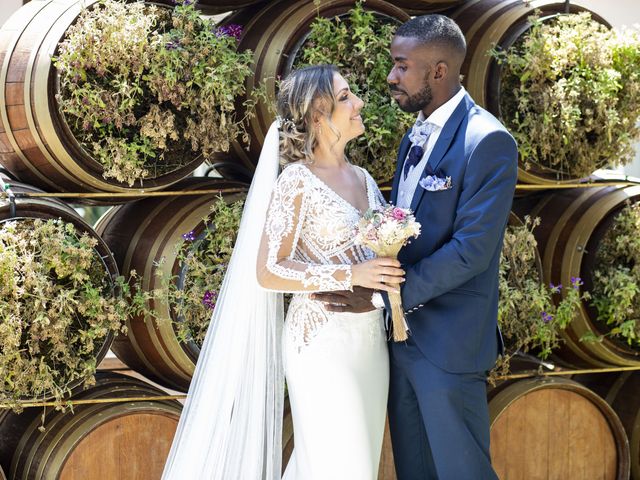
[231, 424]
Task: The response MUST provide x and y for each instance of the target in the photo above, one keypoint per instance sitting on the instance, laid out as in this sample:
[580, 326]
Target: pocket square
[433, 183]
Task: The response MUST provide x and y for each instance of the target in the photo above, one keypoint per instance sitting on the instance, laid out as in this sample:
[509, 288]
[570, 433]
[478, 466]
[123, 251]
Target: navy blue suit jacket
[450, 296]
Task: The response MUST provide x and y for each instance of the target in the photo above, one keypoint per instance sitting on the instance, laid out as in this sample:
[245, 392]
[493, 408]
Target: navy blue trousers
[439, 420]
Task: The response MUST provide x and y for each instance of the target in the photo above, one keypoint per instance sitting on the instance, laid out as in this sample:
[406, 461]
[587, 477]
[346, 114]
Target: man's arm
[483, 208]
[357, 301]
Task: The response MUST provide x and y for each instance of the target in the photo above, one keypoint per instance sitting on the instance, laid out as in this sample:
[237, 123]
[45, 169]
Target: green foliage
[529, 318]
[616, 275]
[571, 94]
[57, 307]
[203, 256]
[359, 47]
[147, 90]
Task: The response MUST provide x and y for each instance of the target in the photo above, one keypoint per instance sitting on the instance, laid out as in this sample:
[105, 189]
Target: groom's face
[409, 79]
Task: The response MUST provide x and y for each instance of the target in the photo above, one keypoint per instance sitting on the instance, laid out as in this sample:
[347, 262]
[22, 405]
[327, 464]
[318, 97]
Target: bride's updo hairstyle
[303, 94]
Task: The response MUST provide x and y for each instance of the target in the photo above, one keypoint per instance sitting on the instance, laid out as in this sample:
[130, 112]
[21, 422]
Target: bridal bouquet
[385, 231]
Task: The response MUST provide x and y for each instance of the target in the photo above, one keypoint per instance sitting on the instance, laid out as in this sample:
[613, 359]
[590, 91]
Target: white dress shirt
[440, 116]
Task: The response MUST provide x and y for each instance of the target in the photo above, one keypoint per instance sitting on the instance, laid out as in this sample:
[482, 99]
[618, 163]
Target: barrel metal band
[111, 195]
[5, 404]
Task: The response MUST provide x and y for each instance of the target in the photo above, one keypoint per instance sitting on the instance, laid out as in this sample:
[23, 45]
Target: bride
[296, 235]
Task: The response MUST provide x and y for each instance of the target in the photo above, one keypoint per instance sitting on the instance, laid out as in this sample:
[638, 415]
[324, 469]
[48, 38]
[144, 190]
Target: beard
[416, 102]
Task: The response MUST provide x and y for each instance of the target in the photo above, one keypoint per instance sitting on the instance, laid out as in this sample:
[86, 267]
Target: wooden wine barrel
[573, 223]
[555, 428]
[273, 33]
[287, 434]
[421, 7]
[50, 208]
[221, 6]
[489, 23]
[622, 392]
[140, 234]
[386, 468]
[35, 142]
[125, 440]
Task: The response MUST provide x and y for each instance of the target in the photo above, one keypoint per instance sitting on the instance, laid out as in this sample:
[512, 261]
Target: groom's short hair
[435, 29]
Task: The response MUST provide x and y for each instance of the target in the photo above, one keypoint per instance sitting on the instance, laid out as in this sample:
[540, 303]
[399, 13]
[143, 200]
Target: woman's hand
[380, 274]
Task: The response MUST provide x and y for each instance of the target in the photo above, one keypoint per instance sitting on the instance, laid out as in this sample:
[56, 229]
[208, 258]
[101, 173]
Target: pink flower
[398, 214]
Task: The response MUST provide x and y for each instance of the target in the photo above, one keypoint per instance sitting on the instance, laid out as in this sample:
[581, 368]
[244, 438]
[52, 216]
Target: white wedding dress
[336, 364]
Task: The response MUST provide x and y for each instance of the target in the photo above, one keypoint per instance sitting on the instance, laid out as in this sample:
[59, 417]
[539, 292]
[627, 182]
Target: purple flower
[231, 30]
[576, 282]
[189, 237]
[546, 317]
[555, 288]
[172, 45]
[209, 299]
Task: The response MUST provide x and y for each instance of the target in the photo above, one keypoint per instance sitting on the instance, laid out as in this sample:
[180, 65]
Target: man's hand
[357, 301]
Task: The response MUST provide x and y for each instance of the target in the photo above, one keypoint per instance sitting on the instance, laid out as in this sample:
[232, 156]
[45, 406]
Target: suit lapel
[442, 145]
[402, 154]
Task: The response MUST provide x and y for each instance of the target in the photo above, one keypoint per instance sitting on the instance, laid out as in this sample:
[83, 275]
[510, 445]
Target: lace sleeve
[276, 268]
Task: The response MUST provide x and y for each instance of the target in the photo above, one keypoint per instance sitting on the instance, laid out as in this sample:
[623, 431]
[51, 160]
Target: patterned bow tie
[419, 136]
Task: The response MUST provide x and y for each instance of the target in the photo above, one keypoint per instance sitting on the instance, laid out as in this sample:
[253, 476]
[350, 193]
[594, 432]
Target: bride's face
[346, 117]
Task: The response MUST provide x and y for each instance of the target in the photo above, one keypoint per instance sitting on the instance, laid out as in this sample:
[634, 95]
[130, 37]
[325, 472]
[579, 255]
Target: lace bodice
[307, 244]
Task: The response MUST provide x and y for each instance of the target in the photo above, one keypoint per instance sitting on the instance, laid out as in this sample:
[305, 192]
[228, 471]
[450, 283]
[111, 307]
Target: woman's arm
[275, 268]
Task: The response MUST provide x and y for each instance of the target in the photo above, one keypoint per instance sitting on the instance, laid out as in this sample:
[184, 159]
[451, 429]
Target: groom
[457, 170]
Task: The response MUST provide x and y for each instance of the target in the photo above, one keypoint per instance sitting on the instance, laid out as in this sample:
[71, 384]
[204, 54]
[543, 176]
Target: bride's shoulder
[365, 172]
[292, 175]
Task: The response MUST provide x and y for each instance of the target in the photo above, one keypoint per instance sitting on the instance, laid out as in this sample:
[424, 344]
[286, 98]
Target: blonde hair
[303, 93]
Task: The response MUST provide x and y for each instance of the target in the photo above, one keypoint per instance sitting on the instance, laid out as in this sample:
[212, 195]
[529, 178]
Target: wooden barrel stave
[567, 237]
[555, 428]
[21, 57]
[386, 468]
[221, 6]
[140, 234]
[422, 7]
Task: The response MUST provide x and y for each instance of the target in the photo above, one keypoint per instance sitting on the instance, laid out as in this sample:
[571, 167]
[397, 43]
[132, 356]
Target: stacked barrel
[540, 428]
[99, 440]
[120, 427]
